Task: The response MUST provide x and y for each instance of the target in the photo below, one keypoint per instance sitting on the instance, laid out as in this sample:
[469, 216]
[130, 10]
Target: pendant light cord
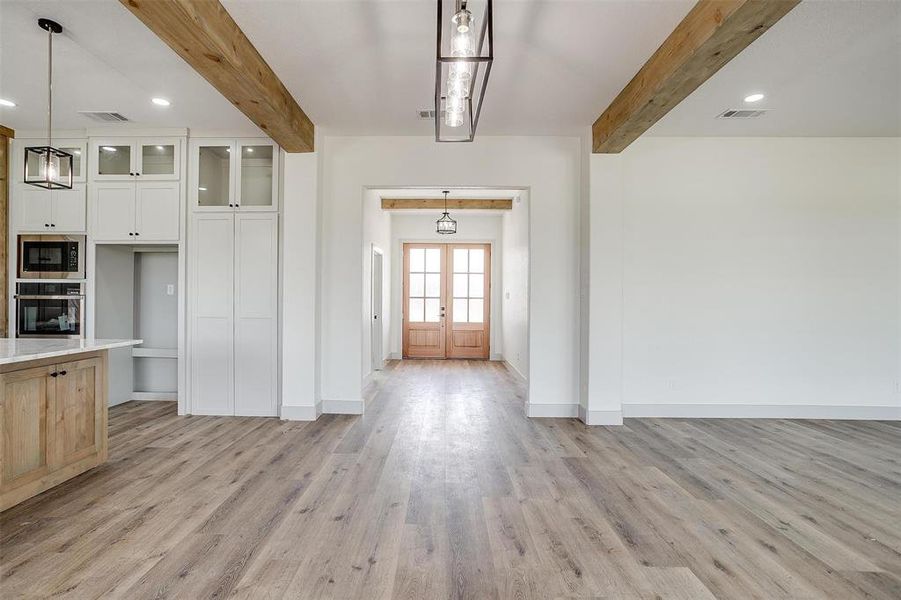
[49, 84]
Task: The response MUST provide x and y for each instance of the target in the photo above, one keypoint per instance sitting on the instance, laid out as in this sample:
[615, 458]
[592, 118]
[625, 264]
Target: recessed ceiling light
[754, 98]
[108, 148]
[5, 102]
[161, 102]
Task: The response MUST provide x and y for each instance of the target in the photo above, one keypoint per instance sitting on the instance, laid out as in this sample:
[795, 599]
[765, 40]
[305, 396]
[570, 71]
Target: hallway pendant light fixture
[463, 62]
[45, 166]
[445, 224]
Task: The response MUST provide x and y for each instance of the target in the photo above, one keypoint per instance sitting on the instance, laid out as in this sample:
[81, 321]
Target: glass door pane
[213, 174]
[114, 160]
[76, 162]
[158, 159]
[256, 175]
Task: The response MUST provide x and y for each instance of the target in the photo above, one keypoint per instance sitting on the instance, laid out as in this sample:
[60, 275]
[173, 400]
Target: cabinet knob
[52, 224]
[136, 233]
[54, 374]
[46, 224]
[130, 233]
[63, 372]
[132, 174]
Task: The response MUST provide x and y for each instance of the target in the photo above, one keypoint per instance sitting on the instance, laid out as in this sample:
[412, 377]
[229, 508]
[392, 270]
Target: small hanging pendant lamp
[445, 224]
[45, 166]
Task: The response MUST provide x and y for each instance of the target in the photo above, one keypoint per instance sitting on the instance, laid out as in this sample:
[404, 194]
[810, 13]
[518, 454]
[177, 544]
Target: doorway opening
[447, 301]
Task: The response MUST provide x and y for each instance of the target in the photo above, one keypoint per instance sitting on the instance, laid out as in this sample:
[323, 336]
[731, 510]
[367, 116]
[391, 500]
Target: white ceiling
[828, 68]
[366, 67]
[831, 67]
[105, 60]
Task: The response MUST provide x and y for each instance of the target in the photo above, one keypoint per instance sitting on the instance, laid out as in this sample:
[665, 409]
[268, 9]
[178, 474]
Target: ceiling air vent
[742, 113]
[426, 114]
[102, 116]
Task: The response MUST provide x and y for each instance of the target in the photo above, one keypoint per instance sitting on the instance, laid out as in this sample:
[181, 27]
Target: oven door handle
[33, 297]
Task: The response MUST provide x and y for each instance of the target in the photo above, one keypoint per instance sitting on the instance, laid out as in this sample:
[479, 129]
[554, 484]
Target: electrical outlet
[170, 290]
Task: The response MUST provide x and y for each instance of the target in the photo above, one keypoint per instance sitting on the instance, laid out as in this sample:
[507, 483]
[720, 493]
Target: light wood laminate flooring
[445, 490]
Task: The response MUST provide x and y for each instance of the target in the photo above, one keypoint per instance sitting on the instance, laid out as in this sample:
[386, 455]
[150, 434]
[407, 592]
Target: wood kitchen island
[53, 412]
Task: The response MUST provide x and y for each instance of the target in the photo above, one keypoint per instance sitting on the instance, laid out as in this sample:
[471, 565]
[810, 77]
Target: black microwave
[51, 256]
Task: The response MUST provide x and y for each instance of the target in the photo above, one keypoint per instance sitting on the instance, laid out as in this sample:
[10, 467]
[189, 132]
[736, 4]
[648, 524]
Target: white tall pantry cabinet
[233, 272]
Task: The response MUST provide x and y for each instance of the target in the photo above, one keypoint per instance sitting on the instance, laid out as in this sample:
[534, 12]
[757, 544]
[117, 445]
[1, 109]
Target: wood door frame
[446, 292]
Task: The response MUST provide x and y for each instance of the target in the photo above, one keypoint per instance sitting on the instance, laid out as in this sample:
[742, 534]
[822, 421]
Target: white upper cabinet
[234, 175]
[147, 211]
[40, 210]
[157, 211]
[135, 189]
[143, 159]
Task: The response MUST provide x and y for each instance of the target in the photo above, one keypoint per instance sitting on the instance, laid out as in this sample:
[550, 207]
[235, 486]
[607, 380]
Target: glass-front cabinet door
[212, 175]
[112, 159]
[157, 160]
[257, 173]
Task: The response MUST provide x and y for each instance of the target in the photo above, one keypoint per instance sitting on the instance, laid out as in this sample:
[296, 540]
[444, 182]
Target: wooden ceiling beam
[452, 203]
[207, 38]
[711, 34]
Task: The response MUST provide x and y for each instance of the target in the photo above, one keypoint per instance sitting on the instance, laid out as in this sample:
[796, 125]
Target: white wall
[758, 277]
[156, 319]
[471, 227]
[515, 286]
[376, 232]
[548, 166]
[299, 317]
[114, 310]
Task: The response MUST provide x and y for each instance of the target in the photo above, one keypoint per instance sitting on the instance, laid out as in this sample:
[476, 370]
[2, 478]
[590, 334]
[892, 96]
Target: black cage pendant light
[445, 224]
[45, 166]
[463, 63]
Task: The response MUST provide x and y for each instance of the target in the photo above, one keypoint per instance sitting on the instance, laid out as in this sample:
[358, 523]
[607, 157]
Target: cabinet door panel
[212, 175]
[256, 298]
[77, 411]
[24, 401]
[32, 208]
[257, 185]
[114, 211]
[68, 210]
[158, 160]
[157, 211]
[112, 159]
[212, 353]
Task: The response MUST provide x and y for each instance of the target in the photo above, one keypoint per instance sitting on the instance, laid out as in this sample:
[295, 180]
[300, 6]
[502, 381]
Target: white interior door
[212, 352]
[377, 321]
[256, 314]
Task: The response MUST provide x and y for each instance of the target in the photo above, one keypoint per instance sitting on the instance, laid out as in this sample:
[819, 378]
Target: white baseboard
[155, 396]
[600, 417]
[761, 411]
[342, 407]
[564, 411]
[300, 413]
[515, 370]
[395, 356]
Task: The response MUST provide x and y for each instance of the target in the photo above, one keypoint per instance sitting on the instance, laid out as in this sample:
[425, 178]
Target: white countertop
[17, 350]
